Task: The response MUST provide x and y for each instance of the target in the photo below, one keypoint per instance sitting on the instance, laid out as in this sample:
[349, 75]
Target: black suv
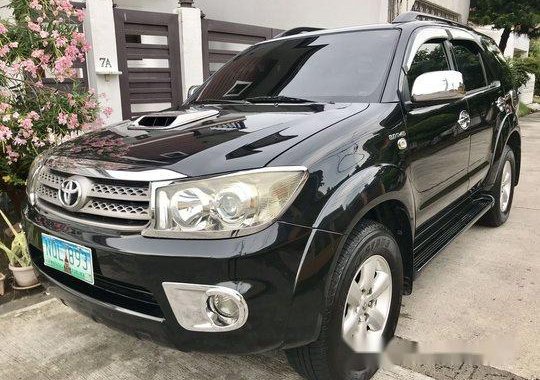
[291, 201]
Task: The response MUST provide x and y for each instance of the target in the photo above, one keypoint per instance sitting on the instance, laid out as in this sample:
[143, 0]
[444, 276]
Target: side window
[430, 57]
[469, 63]
[496, 64]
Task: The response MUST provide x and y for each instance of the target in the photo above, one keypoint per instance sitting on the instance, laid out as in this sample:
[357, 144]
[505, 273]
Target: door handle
[464, 120]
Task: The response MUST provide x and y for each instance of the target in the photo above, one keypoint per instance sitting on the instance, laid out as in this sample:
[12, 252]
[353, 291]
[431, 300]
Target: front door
[438, 147]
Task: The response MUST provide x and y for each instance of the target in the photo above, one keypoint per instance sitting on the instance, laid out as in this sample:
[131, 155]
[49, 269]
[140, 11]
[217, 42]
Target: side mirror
[438, 86]
[192, 90]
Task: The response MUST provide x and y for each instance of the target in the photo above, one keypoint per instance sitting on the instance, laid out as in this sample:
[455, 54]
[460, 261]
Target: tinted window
[469, 64]
[496, 65]
[430, 57]
[340, 67]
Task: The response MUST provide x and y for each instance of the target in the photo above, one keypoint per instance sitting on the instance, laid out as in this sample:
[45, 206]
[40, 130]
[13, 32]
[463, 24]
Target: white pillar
[189, 20]
[102, 59]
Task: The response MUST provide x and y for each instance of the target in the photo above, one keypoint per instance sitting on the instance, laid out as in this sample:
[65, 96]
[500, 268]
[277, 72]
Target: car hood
[227, 138]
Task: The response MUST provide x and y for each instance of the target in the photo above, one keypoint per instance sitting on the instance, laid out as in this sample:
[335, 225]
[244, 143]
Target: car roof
[405, 26]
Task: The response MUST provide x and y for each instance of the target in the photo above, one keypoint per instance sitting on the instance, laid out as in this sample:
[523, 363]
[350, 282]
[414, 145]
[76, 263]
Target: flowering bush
[41, 40]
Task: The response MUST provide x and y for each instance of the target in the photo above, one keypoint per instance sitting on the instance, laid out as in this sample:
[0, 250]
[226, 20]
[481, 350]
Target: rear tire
[366, 284]
[502, 191]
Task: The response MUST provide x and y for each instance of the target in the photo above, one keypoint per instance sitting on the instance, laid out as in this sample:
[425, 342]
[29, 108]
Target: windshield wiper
[278, 99]
[220, 101]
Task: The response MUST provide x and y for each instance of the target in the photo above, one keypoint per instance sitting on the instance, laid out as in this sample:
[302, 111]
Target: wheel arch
[514, 142]
[385, 192]
[507, 134]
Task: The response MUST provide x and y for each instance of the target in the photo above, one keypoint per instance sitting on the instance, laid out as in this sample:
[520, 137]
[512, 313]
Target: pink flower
[12, 156]
[37, 142]
[60, 41]
[18, 141]
[62, 67]
[4, 50]
[73, 121]
[90, 104]
[80, 15]
[34, 4]
[62, 118]
[107, 111]
[44, 34]
[26, 133]
[71, 101]
[30, 67]
[45, 59]
[4, 107]
[33, 115]
[5, 133]
[38, 53]
[3, 29]
[26, 123]
[34, 27]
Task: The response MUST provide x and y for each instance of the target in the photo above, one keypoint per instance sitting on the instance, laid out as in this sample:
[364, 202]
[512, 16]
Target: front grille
[113, 203]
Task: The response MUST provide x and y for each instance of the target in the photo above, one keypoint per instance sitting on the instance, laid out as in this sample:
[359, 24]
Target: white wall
[163, 6]
[286, 14]
[518, 44]
[526, 92]
[5, 12]
[280, 14]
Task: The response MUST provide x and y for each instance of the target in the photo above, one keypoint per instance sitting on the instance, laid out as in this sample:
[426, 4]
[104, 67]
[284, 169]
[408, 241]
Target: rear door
[438, 147]
[481, 98]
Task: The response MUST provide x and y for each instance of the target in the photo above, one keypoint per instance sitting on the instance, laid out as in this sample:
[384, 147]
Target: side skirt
[456, 219]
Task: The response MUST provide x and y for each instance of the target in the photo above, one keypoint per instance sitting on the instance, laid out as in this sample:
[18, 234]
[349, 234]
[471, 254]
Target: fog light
[224, 306]
[206, 307]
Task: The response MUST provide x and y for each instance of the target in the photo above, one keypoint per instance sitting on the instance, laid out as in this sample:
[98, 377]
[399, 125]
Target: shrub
[41, 40]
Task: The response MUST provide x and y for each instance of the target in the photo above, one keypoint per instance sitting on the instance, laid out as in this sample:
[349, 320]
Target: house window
[435, 10]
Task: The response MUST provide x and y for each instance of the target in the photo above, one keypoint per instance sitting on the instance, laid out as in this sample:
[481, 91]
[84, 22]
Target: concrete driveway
[482, 292]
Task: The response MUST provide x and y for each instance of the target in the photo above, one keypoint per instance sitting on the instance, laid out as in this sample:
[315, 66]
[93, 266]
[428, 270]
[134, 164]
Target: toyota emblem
[72, 194]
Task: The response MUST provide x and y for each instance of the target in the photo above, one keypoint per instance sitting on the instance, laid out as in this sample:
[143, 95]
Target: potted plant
[2, 287]
[18, 255]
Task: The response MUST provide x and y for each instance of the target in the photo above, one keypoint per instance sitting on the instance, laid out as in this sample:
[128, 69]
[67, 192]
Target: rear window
[337, 67]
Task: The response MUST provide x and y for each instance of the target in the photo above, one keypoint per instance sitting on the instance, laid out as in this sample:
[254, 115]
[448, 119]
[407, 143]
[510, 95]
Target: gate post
[191, 54]
[102, 59]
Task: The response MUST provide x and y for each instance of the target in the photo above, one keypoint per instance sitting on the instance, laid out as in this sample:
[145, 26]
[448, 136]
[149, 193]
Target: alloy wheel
[506, 186]
[368, 304]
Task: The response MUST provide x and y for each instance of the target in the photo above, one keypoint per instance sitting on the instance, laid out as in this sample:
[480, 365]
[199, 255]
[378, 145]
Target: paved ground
[481, 294]
[485, 288]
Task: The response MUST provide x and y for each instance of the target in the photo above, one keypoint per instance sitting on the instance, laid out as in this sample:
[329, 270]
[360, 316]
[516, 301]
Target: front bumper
[130, 269]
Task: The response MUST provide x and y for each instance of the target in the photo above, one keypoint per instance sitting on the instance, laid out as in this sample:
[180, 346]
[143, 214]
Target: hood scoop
[171, 120]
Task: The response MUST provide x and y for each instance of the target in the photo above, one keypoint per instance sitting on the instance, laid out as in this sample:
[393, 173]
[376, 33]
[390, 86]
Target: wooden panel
[150, 30]
[146, 85]
[236, 38]
[220, 31]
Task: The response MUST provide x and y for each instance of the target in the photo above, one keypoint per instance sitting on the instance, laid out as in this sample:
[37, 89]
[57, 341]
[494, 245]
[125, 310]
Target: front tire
[503, 191]
[362, 309]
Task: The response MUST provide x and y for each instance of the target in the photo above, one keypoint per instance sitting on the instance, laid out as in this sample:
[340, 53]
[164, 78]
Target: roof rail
[419, 16]
[299, 30]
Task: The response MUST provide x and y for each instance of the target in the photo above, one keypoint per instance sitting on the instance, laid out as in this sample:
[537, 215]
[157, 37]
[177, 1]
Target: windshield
[337, 67]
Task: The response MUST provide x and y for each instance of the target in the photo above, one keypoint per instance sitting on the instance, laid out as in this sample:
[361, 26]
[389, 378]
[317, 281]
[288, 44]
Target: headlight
[224, 206]
[33, 174]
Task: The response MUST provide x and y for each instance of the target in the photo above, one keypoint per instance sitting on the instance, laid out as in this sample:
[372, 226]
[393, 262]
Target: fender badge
[394, 136]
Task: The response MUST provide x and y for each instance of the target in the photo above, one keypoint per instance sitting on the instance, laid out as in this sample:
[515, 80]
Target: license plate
[68, 257]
